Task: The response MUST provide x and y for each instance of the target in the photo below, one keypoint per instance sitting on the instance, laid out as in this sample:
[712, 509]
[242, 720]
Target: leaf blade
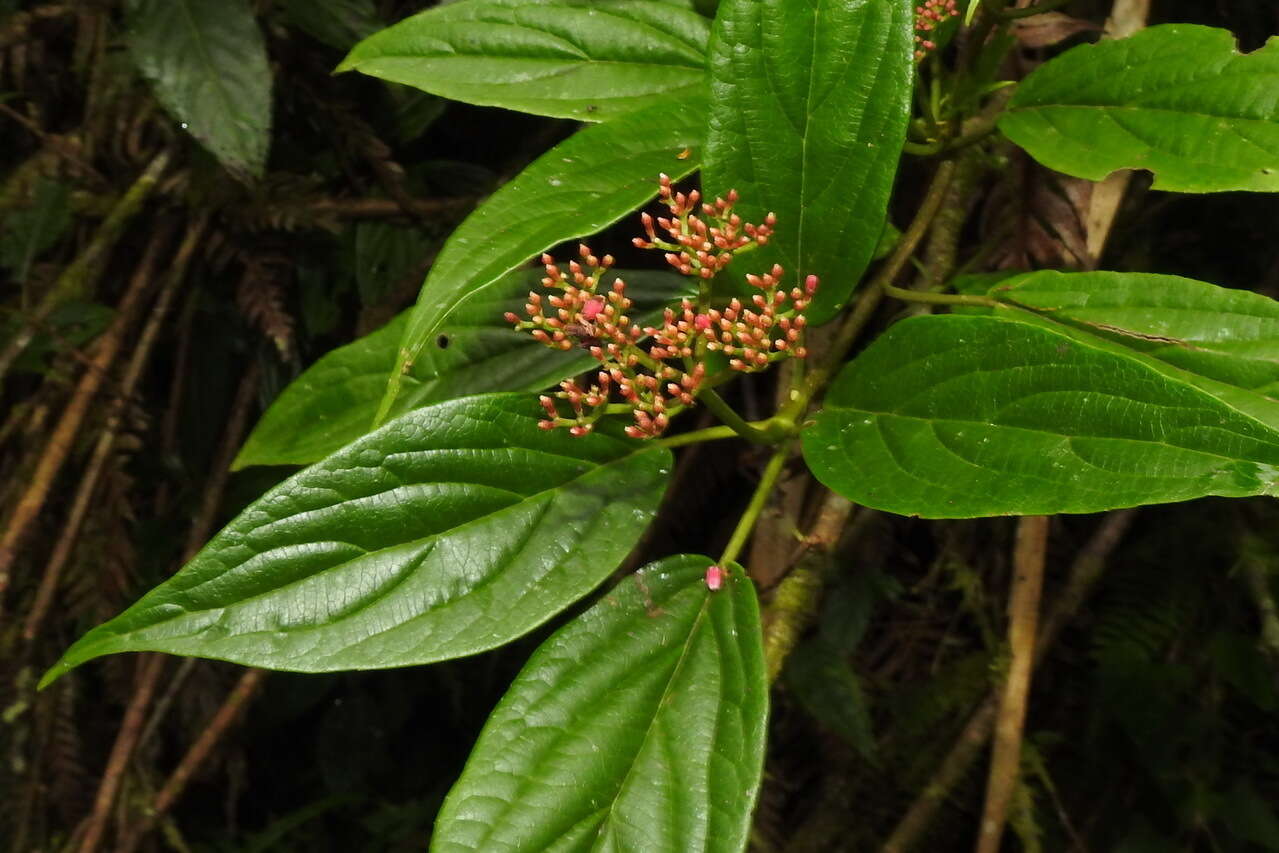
[666, 680]
[207, 62]
[562, 58]
[1227, 335]
[1177, 99]
[453, 529]
[964, 416]
[809, 110]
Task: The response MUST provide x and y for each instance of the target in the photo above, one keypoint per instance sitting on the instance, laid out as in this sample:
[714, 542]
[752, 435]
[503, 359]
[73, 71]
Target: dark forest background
[192, 297]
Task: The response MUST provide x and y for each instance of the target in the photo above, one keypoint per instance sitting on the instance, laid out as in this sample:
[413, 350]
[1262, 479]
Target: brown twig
[236, 423]
[1023, 620]
[64, 434]
[153, 664]
[1126, 17]
[195, 757]
[149, 668]
[797, 595]
[386, 208]
[1084, 573]
[70, 532]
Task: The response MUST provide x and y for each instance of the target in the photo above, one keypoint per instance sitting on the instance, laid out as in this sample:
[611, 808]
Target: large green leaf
[334, 401]
[585, 183]
[638, 726]
[207, 62]
[809, 110]
[1177, 99]
[960, 416]
[1228, 335]
[451, 530]
[584, 59]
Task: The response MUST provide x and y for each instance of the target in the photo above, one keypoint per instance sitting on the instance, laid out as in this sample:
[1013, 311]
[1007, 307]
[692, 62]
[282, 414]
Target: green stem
[746, 523]
[907, 295]
[725, 413]
[698, 435]
[817, 378]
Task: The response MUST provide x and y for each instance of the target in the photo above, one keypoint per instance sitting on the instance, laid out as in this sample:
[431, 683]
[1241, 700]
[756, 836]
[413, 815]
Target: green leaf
[638, 726]
[449, 531]
[1228, 335]
[334, 401]
[961, 416]
[808, 115]
[207, 63]
[583, 59]
[1177, 99]
[585, 183]
[29, 232]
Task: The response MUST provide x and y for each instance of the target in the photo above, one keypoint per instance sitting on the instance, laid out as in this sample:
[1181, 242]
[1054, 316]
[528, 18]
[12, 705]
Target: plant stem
[931, 298]
[746, 523]
[817, 378]
[1023, 624]
[699, 435]
[1086, 569]
[725, 413]
[798, 595]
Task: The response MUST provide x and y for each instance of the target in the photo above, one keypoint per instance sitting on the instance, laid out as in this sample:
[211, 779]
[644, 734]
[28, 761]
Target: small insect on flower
[715, 578]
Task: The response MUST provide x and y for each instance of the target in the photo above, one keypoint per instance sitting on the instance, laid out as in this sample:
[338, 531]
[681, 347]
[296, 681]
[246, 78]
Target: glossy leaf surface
[476, 351]
[1177, 99]
[638, 726]
[1228, 335]
[207, 63]
[583, 59]
[961, 416]
[585, 183]
[451, 530]
[809, 109]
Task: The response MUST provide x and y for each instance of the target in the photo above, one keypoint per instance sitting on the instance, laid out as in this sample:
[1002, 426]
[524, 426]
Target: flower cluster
[701, 245]
[581, 311]
[928, 16]
[753, 336]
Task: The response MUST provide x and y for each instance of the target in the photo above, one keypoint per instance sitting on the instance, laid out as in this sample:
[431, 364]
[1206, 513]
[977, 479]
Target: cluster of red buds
[928, 16]
[701, 245]
[580, 315]
[581, 312]
[753, 336]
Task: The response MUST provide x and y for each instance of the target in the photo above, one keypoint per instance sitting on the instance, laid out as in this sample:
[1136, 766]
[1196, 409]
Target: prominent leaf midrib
[993, 427]
[648, 729]
[949, 485]
[424, 540]
[1049, 310]
[1137, 108]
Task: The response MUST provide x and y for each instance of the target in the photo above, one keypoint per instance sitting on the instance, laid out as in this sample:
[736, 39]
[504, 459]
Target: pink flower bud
[810, 284]
[592, 309]
[715, 578]
[702, 322]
